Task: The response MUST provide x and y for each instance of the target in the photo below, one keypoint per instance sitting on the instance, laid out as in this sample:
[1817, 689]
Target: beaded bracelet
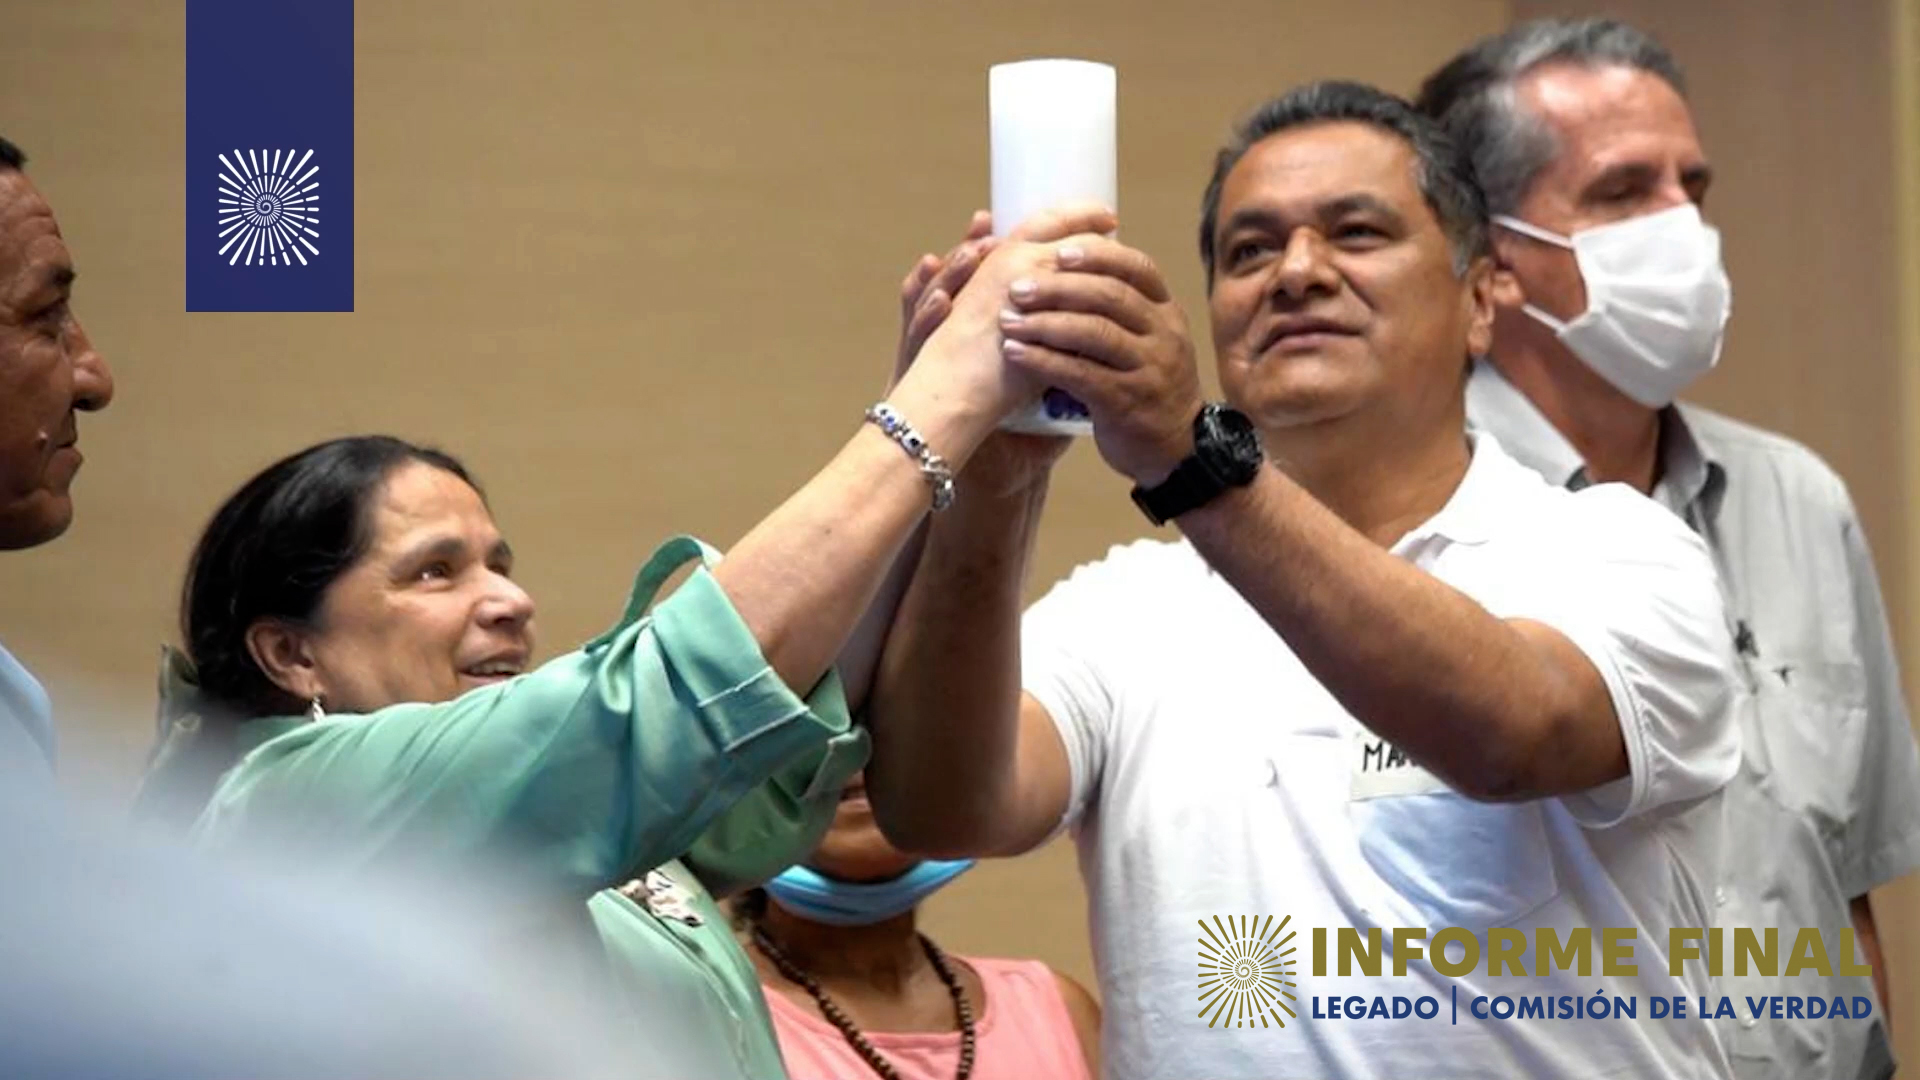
[932, 465]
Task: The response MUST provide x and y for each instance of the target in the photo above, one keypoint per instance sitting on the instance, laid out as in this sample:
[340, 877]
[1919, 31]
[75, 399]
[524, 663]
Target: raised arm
[964, 762]
[617, 756]
[805, 574]
[1497, 707]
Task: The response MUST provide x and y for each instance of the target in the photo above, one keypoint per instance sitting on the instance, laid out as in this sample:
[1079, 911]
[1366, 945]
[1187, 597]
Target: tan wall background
[635, 263]
[1906, 89]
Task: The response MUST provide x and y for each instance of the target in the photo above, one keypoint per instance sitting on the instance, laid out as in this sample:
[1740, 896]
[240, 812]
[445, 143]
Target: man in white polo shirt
[1388, 678]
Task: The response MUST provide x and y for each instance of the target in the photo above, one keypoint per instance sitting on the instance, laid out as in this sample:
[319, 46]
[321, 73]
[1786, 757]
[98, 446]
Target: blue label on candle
[1060, 405]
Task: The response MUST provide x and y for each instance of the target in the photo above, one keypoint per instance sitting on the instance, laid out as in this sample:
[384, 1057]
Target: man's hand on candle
[1099, 322]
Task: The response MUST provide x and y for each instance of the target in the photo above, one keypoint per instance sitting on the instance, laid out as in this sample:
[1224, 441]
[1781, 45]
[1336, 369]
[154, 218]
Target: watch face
[1229, 444]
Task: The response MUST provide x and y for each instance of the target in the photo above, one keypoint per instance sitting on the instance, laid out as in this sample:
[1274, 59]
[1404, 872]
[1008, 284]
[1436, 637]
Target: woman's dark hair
[271, 552]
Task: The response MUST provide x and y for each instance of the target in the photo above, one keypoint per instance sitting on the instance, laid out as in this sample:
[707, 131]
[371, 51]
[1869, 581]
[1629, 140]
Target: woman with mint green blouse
[357, 686]
[661, 764]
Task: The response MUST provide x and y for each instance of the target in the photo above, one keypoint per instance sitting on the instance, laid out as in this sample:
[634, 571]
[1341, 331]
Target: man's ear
[1507, 291]
[283, 653]
[1505, 287]
[1482, 299]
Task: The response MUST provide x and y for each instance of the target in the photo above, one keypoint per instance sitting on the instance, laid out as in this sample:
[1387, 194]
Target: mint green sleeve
[778, 824]
[601, 763]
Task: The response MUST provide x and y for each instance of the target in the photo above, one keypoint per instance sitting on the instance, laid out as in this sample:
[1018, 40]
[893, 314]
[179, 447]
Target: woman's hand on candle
[960, 366]
[926, 295]
[1007, 464]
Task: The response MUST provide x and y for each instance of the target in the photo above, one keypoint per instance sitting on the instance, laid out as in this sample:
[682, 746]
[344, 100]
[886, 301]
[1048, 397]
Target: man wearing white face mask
[1611, 300]
[1657, 301]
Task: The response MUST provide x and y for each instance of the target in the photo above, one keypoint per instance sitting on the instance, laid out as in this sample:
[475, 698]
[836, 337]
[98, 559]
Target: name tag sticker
[1381, 769]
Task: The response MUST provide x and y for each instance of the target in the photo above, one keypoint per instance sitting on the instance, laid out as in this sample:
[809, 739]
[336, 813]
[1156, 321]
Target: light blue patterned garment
[26, 720]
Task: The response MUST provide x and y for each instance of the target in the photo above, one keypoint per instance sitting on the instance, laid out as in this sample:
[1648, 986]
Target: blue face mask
[821, 899]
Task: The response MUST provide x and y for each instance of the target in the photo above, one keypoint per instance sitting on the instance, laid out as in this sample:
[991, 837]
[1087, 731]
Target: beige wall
[1906, 84]
[635, 263]
[1903, 900]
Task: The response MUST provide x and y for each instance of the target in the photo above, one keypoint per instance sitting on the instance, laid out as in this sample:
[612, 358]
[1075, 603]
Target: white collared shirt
[1214, 776]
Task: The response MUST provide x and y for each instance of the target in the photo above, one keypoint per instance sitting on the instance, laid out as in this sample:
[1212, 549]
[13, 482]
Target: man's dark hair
[1441, 170]
[11, 156]
[1474, 95]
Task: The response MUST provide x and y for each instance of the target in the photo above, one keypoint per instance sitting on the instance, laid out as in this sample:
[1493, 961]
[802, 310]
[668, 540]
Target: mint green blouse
[659, 766]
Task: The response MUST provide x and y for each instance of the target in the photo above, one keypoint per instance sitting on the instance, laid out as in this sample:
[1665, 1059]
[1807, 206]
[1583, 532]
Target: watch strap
[1190, 486]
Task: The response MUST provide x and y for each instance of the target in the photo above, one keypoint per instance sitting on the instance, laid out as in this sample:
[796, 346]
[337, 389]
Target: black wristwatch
[1226, 454]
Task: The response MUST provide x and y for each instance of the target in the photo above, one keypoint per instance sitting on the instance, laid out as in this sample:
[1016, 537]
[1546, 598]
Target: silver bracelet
[932, 465]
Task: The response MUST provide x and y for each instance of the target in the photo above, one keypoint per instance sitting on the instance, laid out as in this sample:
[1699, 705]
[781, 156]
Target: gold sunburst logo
[1246, 968]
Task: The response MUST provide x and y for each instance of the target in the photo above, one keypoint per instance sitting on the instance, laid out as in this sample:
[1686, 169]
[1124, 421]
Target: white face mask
[1657, 300]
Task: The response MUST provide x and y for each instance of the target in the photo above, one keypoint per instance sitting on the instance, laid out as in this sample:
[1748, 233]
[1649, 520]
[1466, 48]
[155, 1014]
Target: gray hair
[1442, 171]
[1475, 97]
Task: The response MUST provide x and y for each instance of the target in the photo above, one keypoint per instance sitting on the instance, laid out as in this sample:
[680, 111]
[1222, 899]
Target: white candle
[1052, 127]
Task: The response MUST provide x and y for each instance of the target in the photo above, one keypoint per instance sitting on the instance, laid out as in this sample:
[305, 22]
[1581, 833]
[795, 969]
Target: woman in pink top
[857, 991]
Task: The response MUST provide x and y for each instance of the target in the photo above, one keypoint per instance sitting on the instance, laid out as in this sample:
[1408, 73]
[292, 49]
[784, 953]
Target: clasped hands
[1057, 304]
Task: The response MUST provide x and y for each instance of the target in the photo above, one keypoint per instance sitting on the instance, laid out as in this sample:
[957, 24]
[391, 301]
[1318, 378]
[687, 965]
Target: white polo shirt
[1213, 776]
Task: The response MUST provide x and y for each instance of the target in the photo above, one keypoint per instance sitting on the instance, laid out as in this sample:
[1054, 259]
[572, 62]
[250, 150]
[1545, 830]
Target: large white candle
[1052, 125]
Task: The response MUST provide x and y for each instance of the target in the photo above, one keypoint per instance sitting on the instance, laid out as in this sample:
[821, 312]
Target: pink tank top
[1024, 1033]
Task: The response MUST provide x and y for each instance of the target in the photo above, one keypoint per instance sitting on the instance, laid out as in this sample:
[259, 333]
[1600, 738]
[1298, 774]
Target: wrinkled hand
[1006, 463]
[1013, 463]
[961, 358]
[963, 354]
[926, 295]
[1098, 321]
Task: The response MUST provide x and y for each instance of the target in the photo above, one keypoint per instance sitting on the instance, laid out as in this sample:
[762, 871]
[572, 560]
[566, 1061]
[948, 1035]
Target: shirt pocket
[1458, 862]
[1803, 738]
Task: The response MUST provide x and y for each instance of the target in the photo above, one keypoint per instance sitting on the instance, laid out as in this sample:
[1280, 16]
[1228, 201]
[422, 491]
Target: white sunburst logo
[269, 207]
